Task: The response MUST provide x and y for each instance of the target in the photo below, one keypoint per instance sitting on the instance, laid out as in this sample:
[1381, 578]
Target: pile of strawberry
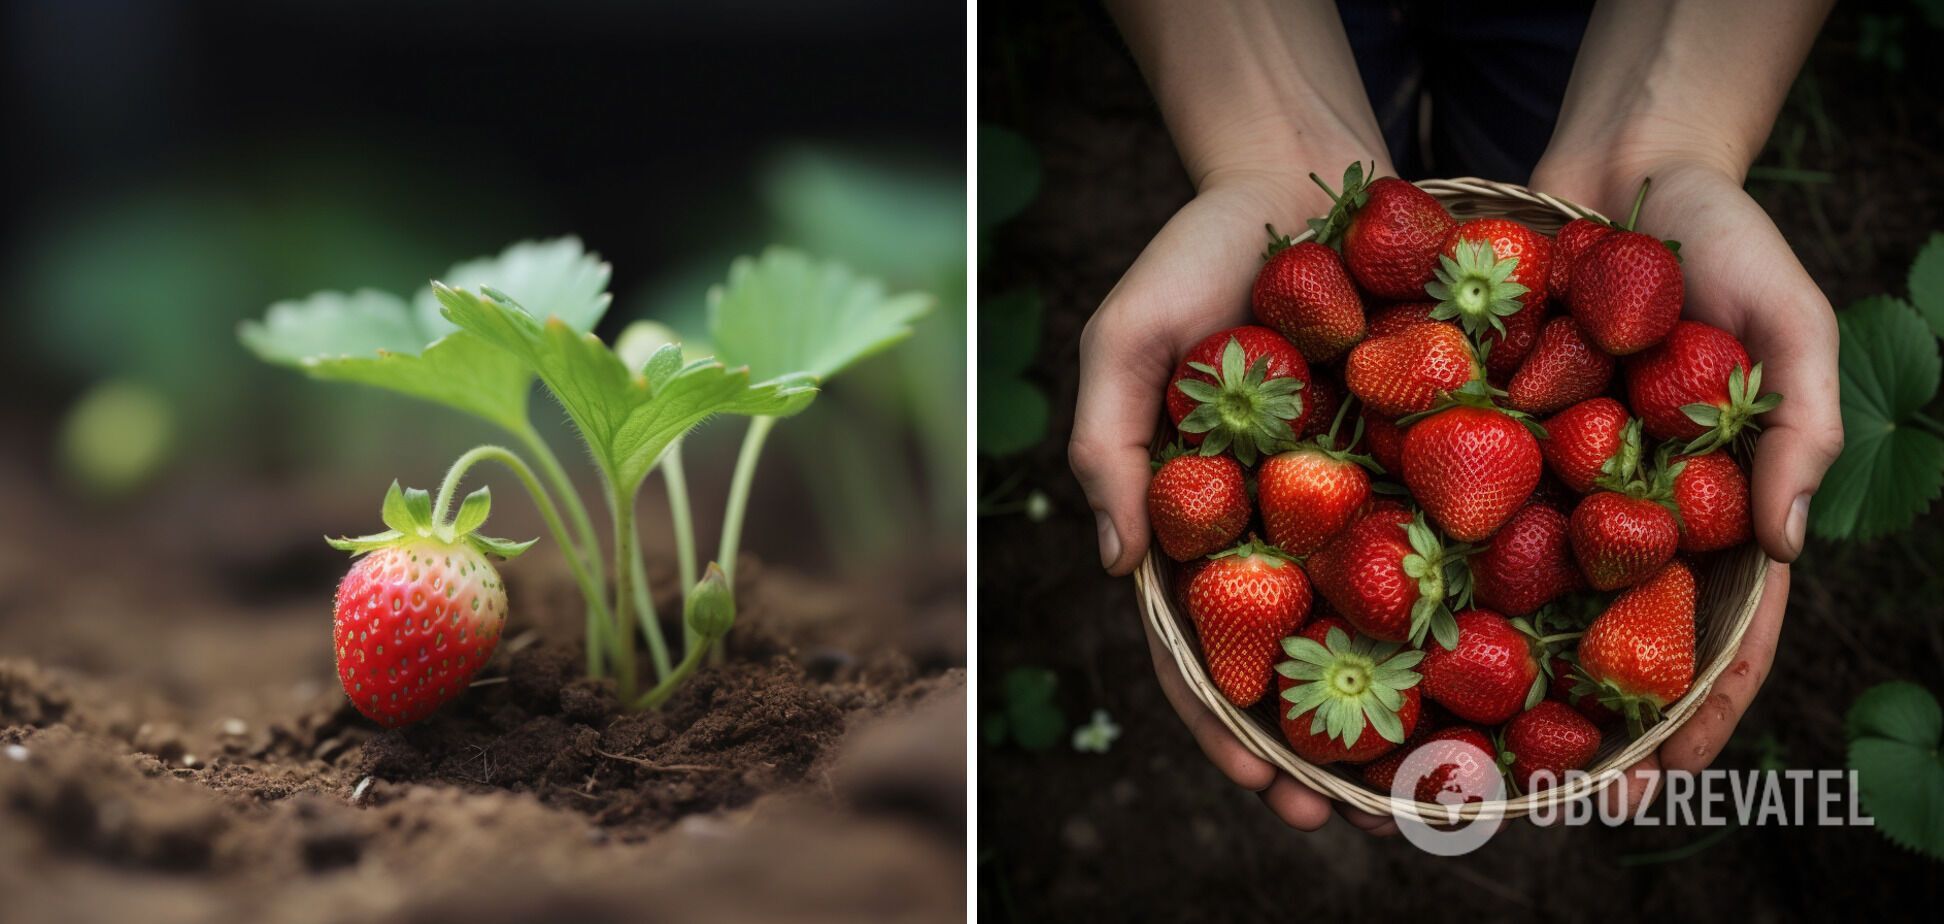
[1454, 486]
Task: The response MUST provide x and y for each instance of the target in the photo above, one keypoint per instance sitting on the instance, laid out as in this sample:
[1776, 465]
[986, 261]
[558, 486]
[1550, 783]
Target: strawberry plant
[475, 342]
[1894, 733]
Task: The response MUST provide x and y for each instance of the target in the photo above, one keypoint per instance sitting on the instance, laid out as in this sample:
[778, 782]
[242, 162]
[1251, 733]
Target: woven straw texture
[1730, 588]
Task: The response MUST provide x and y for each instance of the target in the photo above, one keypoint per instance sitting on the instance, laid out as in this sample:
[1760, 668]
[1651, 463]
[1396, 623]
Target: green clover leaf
[1891, 467]
[1894, 731]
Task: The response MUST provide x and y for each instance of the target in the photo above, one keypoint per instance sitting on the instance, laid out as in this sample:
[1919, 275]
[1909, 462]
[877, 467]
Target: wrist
[1604, 173]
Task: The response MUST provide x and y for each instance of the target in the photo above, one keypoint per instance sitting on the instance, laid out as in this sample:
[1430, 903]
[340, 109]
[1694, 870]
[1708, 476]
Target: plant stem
[1929, 422]
[645, 612]
[667, 687]
[622, 642]
[1561, 637]
[589, 549]
[590, 589]
[732, 515]
[678, 512]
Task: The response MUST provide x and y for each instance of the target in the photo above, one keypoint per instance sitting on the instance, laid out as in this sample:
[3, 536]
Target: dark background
[1150, 831]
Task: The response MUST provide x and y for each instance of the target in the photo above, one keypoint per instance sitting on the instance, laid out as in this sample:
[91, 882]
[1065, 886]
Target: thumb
[1121, 376]
[1800, 439]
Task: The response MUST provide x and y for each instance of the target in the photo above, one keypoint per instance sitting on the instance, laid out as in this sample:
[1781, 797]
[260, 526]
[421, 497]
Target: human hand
[1192, 279]
[1741, 277]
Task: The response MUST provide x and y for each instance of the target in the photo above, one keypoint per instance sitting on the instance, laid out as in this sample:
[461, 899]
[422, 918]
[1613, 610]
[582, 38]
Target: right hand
[1192, 280]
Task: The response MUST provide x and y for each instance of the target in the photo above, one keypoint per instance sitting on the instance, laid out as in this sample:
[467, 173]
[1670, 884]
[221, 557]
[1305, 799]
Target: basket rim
[1748, 564]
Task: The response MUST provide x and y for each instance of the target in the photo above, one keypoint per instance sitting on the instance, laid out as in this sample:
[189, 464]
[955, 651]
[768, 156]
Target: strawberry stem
[732, 514]
[678, 512]
[1640, 198]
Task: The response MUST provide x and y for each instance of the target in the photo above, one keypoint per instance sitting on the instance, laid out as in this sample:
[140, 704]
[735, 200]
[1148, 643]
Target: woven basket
[1730, 588]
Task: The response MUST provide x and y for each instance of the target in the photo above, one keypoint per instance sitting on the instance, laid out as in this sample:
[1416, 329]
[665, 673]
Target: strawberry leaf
[626, 423]
[556, 278]
[783, 313]
[1894, 733]
[1927, 282]
[1892, 467]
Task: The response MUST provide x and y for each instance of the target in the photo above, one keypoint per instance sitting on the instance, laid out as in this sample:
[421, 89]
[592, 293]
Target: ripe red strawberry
[1621, 540]
[1383, 440]
[1184, 576]
[1389, 576]
[1638, 656]
[1471, 465]
[1571, 241]
[1463, 767]
[1391, 233]
[1239, 389]
[1243, 603]
[1197, 504]
[1562, 370]
[1406, 372]
[1626, 292]
[1711, 494]
[1582, 439]
[1349, 697]
[1528, 563]
[421, 612]
[1303, 292]
[1546, 741]
[1394, 318]
[1380, 773]
[1323, 398]
[1309, 494]
[1491, 279]
[1562, 690]
[1697, 385]
[1490, 676]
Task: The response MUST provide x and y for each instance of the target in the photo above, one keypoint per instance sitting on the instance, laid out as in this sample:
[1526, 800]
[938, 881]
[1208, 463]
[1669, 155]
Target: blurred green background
[178, 166]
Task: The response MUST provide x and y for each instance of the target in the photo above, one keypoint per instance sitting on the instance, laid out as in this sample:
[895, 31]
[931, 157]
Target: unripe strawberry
[421, 612]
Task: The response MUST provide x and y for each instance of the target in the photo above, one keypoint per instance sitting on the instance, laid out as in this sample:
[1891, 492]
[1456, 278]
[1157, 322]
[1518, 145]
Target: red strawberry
[1562, 690]
[1380, 773]
[1391, 233]
[1383, 440]
[1528, 563]
[1547, 740]
[1323, 400]
[1491, 279]
[421, 612]
[1638, 656]
[1571, 241]
[1394, 318]
[1349, 697]
[1621, 540]
[1309, 494]
[1697, 385]
[1490, 676]
[1239, 389]
[1389, 575]
[1471, 465]
[1303, 292]
[1711, 493]
[1243, 603]
[1582, 439]
[1197, 504]
[1462, 767]
[1562, 369]
[1406, 372]
[1626, 292]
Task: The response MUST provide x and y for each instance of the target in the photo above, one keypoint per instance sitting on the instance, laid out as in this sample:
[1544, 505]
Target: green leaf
[1009, 175]
[627, 427]
[472, 512]
[1012, 415]
[1009, 333]
[555, 278]
[1894, 731]
[333, 324]
[459, 371]
[1927, 282]
[784, 313]
[1035, 721]
[1890, 469]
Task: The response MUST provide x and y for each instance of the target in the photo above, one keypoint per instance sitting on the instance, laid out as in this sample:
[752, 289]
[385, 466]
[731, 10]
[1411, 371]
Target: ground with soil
[173, 746]
[1150, 831]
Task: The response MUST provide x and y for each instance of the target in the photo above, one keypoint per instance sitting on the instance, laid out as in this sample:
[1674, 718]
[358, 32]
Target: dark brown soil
[1150, 831]
[173, 746]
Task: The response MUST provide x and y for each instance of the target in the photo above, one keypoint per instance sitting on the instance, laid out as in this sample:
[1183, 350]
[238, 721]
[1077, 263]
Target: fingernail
[1798, 522]
[1110, 545]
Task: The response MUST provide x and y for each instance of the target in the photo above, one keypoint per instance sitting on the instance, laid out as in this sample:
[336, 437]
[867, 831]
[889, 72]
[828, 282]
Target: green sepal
[472, 511]
[362, 544]
[1356, 191]
[1477, 393]
[1441, 576]
[1243, 410]
[1475, 288]
[1277, 243]
[1348, 684]
[407, 511]
[1724, 424]
[504, 548]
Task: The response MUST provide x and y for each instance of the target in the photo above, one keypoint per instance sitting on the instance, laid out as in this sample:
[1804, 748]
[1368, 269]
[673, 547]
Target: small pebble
[357, 795]
[16, 753]
[234, 728]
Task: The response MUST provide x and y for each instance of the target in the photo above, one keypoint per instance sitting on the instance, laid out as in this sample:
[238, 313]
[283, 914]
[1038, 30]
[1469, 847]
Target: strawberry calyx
[408, 511]
[1242, 409]
[1328, 444]
[1623, 472]
[1724, 423]
[1541, 647]
[1349, 683]
[1441, 576]
[1477, 393]
[1476, 289]
[1638, 709]
[1278, 242]
[1356, 191]
[1633, 218]
[1255, 548]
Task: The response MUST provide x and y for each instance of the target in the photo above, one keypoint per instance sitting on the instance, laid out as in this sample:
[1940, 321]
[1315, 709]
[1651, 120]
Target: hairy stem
[621, 650]
[590, 544]
[645, 612]
[590, 588]
[678, 512]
